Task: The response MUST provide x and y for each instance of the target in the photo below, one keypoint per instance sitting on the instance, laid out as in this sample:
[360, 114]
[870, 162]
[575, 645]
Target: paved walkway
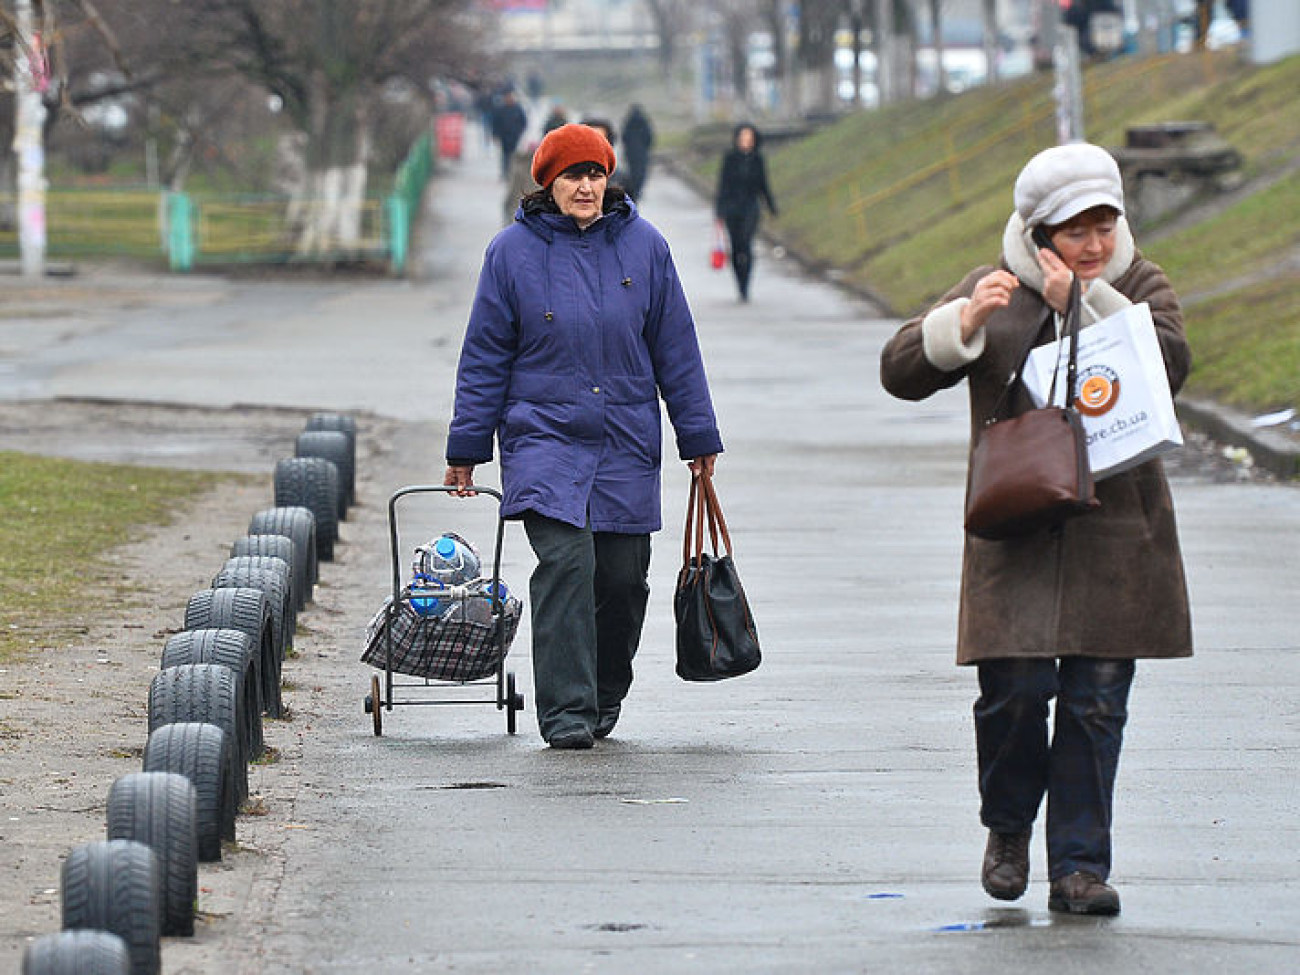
[818, 815]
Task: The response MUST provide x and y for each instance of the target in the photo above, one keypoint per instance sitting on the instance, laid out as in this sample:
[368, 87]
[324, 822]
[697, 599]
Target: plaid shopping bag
[451, 649]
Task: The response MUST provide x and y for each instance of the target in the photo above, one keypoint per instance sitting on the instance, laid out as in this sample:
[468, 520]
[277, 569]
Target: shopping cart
[449, 653]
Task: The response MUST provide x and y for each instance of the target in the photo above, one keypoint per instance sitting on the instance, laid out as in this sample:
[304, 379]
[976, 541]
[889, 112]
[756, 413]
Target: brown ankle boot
[1083, 893]
[1006, 865]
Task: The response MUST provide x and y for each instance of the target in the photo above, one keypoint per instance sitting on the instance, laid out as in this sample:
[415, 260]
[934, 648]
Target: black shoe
[578, 739]
[607, 719]
[1006, 865]
[1083, 893]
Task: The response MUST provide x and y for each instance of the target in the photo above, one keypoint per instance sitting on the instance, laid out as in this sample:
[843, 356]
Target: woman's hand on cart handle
[460, 477]
[704, 464]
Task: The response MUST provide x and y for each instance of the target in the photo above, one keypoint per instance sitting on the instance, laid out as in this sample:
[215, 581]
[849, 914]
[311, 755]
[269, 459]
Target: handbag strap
[702, 508]
[1073, 312]
[713, 508]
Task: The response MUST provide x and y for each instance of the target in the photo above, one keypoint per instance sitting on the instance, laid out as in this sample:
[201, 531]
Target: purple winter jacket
[573, 336]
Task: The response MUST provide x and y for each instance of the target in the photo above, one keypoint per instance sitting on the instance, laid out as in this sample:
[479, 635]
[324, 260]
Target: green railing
[221, 229]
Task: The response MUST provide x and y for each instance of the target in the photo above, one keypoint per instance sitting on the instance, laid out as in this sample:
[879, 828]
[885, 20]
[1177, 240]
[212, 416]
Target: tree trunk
[991, 38]
[936, 27]
[335, 179]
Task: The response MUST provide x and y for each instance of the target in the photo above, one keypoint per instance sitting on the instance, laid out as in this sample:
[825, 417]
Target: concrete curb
[1276, 449]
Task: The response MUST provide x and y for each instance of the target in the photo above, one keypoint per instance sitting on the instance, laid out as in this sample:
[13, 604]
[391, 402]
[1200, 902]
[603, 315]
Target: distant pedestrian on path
[1063, 613]
[638, 140]
[578, 327]
[509, 121]
[742, 186]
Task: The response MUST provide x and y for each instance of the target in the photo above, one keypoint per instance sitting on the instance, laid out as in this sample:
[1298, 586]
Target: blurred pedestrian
[638, 139]
[509, 121]
[742, 187]
[605, 128]
[554, 119]
[1064, 612]
[520, 181]
[578, 327]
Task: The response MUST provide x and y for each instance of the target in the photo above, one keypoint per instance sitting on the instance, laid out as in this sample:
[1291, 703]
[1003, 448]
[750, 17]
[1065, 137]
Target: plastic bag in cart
[456, 646]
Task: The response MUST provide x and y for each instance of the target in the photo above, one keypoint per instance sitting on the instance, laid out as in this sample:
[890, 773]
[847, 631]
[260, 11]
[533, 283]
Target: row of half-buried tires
[219, 676]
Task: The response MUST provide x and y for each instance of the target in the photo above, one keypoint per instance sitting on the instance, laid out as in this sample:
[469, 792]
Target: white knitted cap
[1063, 181]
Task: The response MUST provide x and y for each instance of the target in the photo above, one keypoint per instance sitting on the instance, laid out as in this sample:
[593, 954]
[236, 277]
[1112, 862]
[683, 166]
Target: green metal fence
[187, 230]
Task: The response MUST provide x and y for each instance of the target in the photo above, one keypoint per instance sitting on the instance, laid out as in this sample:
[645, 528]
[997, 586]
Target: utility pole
[885, 51]
[30, 79]
[1069, 86]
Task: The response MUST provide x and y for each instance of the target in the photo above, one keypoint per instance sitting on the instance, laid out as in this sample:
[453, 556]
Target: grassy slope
[57, 518]
[873, 195]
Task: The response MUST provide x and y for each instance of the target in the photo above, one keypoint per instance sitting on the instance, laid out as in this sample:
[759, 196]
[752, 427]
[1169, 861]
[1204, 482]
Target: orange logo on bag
[1098, 390]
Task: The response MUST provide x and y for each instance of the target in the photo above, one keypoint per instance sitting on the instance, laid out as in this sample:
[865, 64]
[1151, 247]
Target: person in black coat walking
[742, 185]
[509, 121]
[638, 138]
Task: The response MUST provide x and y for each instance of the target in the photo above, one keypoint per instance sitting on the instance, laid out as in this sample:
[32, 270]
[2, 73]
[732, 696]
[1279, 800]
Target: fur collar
[1020, 253]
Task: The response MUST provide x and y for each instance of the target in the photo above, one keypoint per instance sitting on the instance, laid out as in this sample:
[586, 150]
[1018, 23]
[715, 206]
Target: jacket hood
[1021, 253]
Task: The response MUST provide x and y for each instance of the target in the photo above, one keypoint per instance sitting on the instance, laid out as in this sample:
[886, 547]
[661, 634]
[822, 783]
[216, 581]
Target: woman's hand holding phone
[1056, 273]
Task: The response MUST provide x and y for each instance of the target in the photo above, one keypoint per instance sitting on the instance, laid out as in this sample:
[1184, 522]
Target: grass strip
[58, 520]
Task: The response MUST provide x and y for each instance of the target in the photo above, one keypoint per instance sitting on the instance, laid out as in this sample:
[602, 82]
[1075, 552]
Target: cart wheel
[514, 703]
[376, 705]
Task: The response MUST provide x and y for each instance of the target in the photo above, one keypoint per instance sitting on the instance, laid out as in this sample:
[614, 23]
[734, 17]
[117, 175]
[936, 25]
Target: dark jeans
[740, 230]
[1076, 770]
[588, 597]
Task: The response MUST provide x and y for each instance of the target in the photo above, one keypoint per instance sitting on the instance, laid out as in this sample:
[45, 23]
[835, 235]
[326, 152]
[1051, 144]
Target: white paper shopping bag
[1123, 392]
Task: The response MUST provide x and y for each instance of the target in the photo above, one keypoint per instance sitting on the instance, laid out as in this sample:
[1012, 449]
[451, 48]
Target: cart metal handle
[395, 541]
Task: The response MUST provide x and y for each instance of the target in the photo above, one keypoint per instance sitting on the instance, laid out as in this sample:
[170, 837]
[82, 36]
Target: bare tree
[330, 65]
[990, 37]
[671, 19]
[773, 15]
[818, 20]
[738, 18]
[936, 32]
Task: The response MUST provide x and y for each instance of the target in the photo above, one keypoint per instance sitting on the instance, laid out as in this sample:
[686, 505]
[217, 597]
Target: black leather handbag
[716, 636]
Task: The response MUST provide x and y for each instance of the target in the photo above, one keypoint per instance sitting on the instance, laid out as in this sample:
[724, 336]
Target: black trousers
[588, 598]
[741, 229]
[1076, 769]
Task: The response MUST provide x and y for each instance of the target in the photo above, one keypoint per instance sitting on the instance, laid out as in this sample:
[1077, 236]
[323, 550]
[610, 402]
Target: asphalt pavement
[819, 814]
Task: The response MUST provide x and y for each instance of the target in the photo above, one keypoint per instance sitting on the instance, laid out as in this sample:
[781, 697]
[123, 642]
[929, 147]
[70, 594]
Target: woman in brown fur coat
[1063, 613]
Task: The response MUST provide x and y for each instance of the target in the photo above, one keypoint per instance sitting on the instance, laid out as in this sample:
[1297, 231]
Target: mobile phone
[1042, 240]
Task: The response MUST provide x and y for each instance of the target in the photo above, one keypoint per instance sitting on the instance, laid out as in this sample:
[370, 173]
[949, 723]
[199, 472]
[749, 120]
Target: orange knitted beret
[567, 146]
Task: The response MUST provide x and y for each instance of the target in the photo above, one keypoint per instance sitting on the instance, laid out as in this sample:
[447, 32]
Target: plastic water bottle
[452, 561]
[426, 598]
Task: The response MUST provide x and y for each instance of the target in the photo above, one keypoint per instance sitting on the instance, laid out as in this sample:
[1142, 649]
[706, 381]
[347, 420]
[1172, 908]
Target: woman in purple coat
[578, 327]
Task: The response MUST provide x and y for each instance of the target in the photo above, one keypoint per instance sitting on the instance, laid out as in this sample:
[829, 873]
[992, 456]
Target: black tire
[160, 809]
[246, 609]
[272, 580]
[207, 693]
[113, 885]
[312, 483]
[233, 649]
[299, 525]
[276, 547]
[77, 953]
[336, 447]
[344, 424]
[198, 751]
[332, 421]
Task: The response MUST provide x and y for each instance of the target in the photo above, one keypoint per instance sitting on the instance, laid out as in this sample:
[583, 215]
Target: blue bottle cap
[445, 547]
